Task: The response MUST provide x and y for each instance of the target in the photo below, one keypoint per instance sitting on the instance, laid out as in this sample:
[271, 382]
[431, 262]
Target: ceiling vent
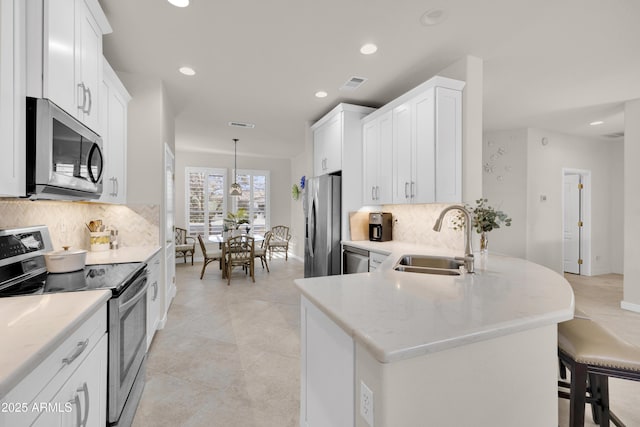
[242, 125]
[353, 83]
[614, 135]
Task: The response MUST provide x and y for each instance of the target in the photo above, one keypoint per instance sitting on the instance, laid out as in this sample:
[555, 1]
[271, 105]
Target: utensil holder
[99, 240]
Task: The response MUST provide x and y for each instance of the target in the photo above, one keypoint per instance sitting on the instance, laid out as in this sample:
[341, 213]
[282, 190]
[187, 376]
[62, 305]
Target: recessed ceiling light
[368, 49]
[187, 71]
[433, 17]
[179, 3]
[321, 94]
[596, 123]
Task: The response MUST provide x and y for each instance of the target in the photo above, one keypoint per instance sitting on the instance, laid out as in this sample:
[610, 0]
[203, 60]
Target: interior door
[572, 223]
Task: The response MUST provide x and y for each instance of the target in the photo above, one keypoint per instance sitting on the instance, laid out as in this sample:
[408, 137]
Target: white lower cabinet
[82, 399]
[327, 376]
[154, 300]
[375, 259]
[69, 388]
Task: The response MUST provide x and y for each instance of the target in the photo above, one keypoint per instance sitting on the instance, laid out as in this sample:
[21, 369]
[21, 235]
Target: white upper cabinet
[377, 146]
[426, 138]
[64, 55]
[114, 99]
[327, 146]
[12, 98]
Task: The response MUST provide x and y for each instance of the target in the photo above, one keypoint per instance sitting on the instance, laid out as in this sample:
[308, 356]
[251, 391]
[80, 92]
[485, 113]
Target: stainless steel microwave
[64, 157]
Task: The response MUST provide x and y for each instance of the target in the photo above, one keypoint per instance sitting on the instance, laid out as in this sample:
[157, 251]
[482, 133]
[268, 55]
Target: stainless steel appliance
[354, 260]
[64, 157]
[23, 272]
[379, 226]
[322, 223]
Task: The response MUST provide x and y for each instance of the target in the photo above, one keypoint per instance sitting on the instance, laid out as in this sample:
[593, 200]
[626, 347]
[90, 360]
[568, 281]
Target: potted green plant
[234, 220]
[484, 218]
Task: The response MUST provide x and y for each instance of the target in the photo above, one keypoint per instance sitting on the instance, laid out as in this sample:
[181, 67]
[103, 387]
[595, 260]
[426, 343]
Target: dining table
[222, 240]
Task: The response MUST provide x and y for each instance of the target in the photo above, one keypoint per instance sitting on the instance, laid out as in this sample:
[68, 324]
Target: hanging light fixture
[235, 189]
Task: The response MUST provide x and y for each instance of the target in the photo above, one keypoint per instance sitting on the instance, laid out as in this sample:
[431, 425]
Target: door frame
[585, 209]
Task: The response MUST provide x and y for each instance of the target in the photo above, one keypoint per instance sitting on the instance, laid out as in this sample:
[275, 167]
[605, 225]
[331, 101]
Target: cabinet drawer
[54, 371]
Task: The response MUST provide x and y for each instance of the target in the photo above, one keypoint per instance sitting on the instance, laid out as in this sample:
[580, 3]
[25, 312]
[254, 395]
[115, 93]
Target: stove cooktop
[103, 276]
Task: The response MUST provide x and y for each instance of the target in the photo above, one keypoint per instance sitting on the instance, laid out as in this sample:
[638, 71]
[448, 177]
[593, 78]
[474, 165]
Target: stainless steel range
[23, 272]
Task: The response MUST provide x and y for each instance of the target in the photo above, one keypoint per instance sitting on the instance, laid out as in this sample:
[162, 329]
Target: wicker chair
[185, 245]
[209, 255]
[279, 240]
[261, 252]
[240, 252]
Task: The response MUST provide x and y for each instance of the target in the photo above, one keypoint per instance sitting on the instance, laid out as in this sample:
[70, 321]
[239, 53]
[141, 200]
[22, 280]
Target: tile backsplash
[136, 224]
[414, 224]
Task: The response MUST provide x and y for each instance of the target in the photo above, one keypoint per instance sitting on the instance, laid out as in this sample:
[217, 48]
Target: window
[254, 199]
[206, 200]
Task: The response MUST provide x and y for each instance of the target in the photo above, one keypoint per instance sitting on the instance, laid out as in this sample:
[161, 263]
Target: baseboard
[630, 306]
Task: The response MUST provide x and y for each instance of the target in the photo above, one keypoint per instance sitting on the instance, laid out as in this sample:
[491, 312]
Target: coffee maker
[379, 226]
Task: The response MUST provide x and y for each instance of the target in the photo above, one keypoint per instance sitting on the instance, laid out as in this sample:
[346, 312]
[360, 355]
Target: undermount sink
[428, 264]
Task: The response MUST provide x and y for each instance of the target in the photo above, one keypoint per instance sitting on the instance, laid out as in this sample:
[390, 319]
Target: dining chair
[261, 252]
[185, 245]
[240, 252]
[279, 240]
[209, 255]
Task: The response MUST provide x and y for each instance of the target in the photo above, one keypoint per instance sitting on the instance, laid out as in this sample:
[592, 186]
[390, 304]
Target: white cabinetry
[327, 376]
[375, 259]
[337, 146]
[426, 125]
[327, 146]
[12, 98]
[427, 147]
[113, 128]
[69, 387]
[64, 55]
[154, 294]
[377, 137]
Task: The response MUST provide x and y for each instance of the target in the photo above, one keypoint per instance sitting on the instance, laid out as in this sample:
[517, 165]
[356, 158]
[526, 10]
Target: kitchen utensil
[65, 260]
[99, 240]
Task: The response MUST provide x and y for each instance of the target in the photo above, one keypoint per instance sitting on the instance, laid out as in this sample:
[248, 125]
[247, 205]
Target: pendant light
[235, 189]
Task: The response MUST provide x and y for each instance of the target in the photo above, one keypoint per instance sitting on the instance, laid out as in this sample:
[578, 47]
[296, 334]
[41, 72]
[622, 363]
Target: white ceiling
[556, 65]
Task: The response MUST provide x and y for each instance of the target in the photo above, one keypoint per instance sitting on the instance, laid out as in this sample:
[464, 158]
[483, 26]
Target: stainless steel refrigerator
[322, 223]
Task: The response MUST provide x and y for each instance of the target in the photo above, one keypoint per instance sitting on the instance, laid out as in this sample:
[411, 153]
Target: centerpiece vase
[484, 242]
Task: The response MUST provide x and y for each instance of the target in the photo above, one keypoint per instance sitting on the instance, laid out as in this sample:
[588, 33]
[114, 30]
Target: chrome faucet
[468, 255]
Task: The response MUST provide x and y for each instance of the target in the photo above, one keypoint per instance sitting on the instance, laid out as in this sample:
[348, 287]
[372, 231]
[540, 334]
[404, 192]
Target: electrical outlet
[366, 403]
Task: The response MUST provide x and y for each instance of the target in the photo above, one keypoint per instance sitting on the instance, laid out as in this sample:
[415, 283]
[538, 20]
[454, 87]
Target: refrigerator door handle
[312, 226]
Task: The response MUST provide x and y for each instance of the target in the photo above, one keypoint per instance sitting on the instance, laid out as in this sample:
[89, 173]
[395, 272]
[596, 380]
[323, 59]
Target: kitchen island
[420, 349]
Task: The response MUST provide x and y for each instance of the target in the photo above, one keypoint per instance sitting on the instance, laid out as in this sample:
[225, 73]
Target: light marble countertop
[400, 315]
[122, 255]
[32, 326]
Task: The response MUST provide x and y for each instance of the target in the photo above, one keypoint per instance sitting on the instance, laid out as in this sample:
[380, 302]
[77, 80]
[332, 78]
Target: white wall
[616, 248]
[504, 156]
[544, 178]
[280, 180]
[631, 206]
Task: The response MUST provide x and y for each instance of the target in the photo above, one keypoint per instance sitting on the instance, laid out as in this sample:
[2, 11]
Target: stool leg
[578, 394]
[602, 382]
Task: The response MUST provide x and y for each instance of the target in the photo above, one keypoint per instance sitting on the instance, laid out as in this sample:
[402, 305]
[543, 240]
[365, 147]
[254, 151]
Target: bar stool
[593, 354]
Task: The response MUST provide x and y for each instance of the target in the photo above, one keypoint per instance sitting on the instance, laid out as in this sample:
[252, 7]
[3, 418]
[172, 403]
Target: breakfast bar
[471, 349]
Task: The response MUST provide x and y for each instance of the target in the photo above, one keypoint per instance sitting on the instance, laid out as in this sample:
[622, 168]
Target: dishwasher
[354, 260]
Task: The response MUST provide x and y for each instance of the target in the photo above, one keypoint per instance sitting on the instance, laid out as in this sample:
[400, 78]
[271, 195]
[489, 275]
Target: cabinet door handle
[88, 110]
[377, 193]
[413, 193]
[373, 192]
[82, 345]
[76, 401]
[83, 89]
[85, 390]
[117, 186]
[406, 190]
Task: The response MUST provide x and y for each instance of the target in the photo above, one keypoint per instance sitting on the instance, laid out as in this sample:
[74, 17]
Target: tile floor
[229, 355]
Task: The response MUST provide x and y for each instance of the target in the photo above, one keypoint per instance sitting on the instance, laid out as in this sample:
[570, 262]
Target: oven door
[127, 342]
